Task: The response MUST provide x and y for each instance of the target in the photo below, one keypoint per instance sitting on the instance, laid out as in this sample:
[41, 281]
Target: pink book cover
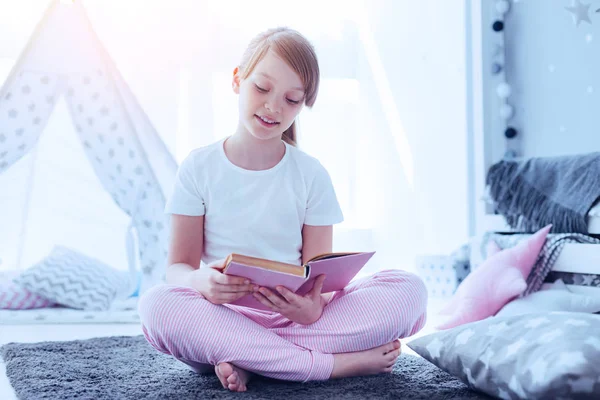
[339, 271]
[264, 278]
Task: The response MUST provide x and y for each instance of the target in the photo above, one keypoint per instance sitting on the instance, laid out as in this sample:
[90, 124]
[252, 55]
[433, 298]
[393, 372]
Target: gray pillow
[74, 280]
[534, 356]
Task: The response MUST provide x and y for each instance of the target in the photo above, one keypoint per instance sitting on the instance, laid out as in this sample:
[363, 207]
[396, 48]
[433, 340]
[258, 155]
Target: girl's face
[270, 97]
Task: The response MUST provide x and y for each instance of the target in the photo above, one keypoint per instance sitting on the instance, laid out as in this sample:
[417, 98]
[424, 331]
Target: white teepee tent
[96, 183]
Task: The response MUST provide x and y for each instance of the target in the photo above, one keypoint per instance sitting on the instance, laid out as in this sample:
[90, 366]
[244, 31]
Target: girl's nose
[273, 106]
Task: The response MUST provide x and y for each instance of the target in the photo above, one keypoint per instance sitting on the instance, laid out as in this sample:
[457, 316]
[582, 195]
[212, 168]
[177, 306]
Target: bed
[579, 260]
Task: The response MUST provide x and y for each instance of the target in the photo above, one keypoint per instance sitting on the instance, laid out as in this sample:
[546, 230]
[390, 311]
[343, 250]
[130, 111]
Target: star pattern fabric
[496, 328]
[538, 371]
[551, 336]
[464, 336]
[434, 348]
[529, 356]
[514, 348]
[534, 323]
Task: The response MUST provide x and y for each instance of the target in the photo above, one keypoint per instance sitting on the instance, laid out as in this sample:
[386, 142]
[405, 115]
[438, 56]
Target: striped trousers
[369, 312]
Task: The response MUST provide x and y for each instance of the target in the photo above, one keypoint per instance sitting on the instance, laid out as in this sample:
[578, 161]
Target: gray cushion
[75, 280]
[534, 356]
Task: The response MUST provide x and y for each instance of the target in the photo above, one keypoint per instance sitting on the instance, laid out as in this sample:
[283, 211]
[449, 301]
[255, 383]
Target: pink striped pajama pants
[369, 312]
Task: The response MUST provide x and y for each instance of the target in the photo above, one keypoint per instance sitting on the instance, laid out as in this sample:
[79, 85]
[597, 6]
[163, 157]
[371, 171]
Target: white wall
[550, 61]
[551, 65]
[422, 47]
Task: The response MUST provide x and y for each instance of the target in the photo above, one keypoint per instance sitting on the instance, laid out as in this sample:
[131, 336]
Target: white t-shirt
[256, 213]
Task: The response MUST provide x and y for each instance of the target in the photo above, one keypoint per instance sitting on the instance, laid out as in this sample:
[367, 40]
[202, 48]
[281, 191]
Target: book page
[325, 256]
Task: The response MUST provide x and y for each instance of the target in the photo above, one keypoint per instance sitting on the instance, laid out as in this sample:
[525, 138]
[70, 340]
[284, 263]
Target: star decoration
[434, 348]
[534, 323]
[464, 337]
[580, 12]
[538, 371]
[494, 329]
[570, 359]
[147, 270]
[550, 336]
[514, 348]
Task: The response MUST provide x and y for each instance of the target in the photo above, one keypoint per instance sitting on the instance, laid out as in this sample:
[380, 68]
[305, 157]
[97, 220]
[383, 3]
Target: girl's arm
[316, 240]
[185, 248]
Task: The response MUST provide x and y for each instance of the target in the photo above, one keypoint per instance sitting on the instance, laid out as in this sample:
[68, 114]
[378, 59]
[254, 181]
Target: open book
[339, 268]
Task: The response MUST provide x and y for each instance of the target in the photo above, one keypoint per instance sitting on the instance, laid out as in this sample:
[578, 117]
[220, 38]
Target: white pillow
[553, 297]
[74, 280]
[14, 297]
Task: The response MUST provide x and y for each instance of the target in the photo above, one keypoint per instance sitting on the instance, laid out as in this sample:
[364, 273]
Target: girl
[254, 193]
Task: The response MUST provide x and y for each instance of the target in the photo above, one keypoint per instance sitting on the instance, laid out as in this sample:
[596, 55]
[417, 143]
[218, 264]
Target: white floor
[42, 333]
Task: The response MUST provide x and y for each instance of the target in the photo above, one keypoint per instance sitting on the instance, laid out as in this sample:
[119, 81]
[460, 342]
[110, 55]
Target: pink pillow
[14, 297]
[499, 279]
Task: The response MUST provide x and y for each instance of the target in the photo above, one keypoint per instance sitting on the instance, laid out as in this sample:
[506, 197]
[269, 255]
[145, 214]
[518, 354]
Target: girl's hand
[217, 287]
[303, 310]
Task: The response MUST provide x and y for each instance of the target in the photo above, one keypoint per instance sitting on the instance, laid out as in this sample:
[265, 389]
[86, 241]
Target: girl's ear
[235, 84]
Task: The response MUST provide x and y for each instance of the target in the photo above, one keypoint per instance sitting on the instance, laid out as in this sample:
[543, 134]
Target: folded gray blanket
[540, 191]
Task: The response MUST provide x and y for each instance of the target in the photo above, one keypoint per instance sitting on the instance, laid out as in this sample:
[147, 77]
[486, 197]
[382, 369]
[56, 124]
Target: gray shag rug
[127, 367]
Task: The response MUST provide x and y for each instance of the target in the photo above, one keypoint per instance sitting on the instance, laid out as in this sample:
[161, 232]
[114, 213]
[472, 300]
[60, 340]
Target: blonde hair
[297, 52]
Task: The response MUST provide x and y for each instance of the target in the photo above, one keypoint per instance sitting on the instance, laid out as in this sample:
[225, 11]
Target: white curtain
[389, 123]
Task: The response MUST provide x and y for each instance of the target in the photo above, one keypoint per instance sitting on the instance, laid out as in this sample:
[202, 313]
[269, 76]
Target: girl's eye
[263, 90]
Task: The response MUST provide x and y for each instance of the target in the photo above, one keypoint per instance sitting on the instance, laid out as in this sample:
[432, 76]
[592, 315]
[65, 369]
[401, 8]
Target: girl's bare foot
[232, 377]
[369, 362]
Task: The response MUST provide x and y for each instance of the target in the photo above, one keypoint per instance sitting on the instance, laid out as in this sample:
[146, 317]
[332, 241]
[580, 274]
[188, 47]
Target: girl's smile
[266, 121]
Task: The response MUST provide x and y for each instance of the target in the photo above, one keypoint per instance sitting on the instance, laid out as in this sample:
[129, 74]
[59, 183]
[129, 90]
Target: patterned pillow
[534, 356]
[553, 297]
[14, 297]
[75, 280]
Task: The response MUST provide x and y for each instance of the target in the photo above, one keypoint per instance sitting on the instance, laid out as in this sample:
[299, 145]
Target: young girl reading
[255, 193]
